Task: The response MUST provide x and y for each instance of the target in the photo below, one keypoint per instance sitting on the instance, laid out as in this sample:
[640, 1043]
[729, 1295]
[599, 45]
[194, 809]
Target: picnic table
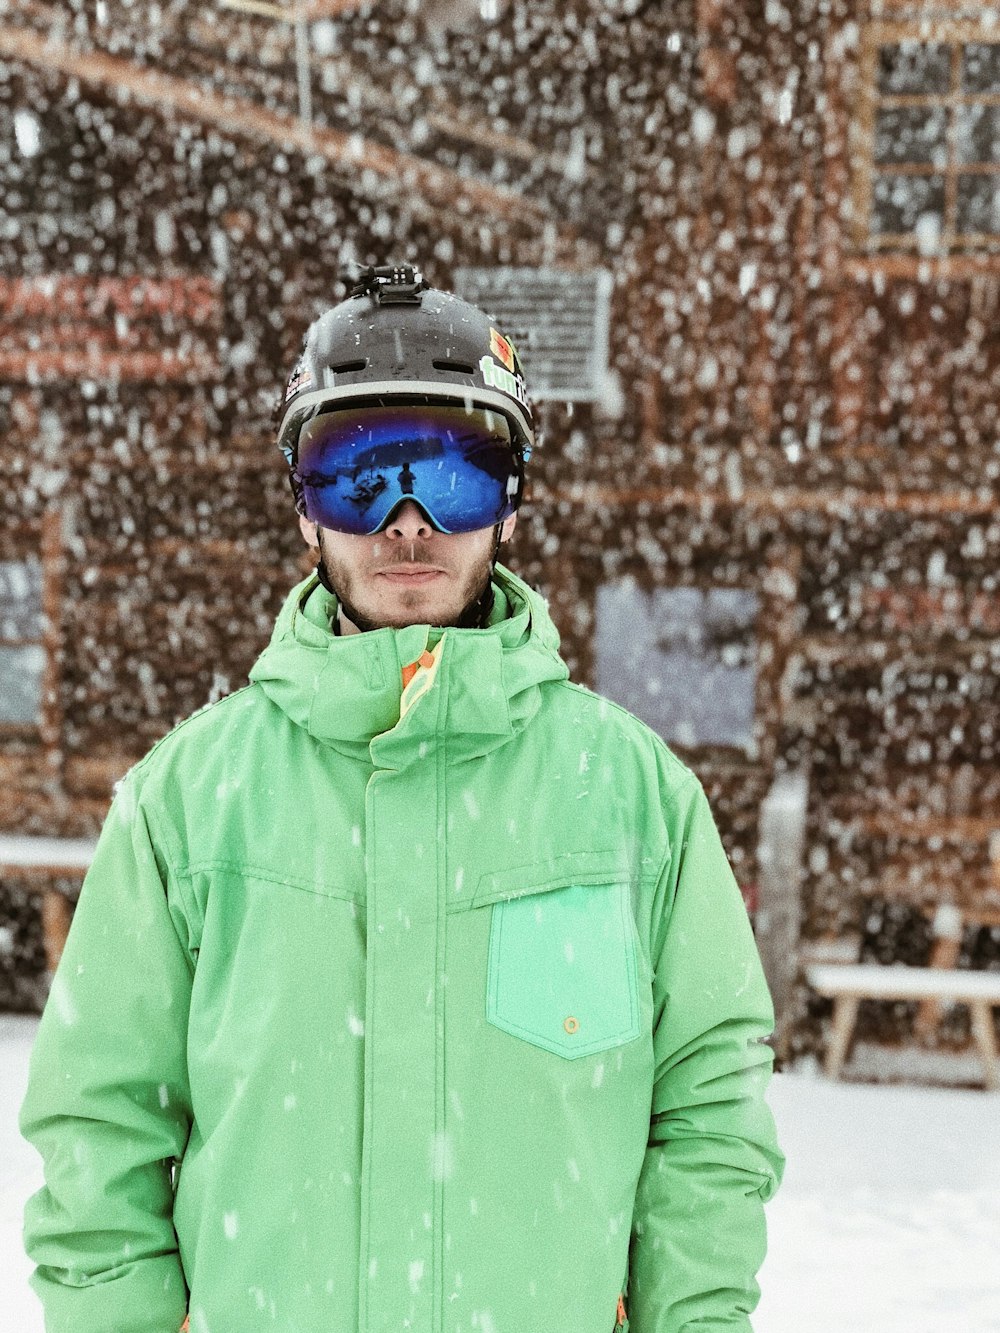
[848, 984]
[965, 904]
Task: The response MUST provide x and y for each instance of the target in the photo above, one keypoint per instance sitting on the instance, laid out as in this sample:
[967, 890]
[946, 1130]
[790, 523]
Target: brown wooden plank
[166, 92]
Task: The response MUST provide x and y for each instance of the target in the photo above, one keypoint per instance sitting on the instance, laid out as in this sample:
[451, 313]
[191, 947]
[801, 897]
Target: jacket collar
[477, 689]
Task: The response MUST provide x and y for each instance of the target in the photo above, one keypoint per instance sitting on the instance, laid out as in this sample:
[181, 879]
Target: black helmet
[395, 337]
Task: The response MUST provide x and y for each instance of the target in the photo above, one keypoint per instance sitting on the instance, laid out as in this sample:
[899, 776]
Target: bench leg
[845, 1011]
[944, 954]
[56, 916]
[982, 1033]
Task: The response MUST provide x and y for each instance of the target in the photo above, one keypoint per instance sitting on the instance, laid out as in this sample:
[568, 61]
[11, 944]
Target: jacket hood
[470, 689]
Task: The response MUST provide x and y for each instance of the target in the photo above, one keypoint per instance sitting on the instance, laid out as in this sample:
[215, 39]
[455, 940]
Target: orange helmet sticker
[502, 349]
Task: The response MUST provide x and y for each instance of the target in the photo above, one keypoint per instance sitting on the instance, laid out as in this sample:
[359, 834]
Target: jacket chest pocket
[562, 969]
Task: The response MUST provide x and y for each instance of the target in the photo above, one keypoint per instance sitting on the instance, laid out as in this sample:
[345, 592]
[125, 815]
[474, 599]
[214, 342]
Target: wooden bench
[848, 984]
[47, 858]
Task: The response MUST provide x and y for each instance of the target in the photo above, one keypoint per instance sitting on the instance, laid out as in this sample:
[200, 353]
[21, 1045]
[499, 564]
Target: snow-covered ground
[889, 1217]
[888, 1221]
[20, 1175]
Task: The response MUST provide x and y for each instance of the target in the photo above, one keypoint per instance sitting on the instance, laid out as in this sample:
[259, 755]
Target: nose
[408, 523]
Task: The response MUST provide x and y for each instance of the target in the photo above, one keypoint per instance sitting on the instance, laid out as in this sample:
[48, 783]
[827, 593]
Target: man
[410, 987]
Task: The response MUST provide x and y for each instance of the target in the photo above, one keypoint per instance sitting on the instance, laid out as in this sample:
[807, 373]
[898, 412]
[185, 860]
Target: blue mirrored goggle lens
[359, 464]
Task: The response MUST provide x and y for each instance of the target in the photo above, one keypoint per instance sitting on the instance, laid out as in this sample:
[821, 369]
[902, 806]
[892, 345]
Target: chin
[418, 617]
[415, 612]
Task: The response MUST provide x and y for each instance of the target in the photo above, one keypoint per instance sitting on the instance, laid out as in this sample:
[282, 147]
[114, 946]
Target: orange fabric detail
[621, 1310]
[424, 660]
[186, 1325]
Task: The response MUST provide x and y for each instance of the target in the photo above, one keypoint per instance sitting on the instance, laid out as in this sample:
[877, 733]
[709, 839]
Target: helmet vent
[346, 367]
[459, 366]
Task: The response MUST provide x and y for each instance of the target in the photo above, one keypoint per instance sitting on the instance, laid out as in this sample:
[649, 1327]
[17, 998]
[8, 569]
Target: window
[22, 656]
[932, 166]
[682, 659]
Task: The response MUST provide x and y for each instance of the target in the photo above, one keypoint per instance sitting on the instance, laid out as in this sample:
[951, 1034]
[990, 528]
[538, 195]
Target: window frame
[547, 344]
[957, 34]
[22, 726]
[43, 542]
[747, 748]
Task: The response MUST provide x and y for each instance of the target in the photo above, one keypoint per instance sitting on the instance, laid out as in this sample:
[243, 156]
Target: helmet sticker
[301, 378]
[498, 377]
[502, 348]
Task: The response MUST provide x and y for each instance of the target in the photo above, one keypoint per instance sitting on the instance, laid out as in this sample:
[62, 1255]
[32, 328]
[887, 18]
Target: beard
[466, 607]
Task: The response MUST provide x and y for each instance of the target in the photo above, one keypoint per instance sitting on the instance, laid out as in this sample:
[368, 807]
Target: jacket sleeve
[107, 1104]
[712, 1159]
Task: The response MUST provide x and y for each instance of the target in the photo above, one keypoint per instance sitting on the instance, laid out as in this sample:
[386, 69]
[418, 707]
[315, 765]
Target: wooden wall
[807, 413]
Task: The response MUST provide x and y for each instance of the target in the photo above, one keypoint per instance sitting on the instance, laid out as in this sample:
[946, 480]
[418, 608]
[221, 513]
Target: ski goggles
[462, 464]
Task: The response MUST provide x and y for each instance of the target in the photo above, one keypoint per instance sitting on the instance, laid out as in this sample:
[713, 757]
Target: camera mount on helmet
[389, 284]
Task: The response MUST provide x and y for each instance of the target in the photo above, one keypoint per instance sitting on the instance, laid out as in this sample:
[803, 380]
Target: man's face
[407, 574]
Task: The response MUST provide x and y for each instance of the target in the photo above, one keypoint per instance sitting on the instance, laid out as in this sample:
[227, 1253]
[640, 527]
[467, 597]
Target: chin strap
[477, 613]
[324, 577]
[488, 597]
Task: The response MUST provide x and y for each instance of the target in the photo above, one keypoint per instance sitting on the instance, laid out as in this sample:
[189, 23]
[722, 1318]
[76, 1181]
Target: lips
[410, 575]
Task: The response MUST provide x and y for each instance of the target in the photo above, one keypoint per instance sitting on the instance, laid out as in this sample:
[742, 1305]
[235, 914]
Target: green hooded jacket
[431, 1009]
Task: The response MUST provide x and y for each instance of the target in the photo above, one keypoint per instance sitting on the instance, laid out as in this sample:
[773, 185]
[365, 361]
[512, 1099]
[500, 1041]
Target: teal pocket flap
[562, 969]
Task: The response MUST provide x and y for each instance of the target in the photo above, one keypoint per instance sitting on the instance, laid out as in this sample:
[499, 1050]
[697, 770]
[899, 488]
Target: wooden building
[772, 528]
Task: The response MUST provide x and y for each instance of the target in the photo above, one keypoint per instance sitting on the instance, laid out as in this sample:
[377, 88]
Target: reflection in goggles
[460, 465]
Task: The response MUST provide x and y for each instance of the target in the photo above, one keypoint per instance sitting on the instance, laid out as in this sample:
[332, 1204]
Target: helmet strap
[323, 576]
[477, 613]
